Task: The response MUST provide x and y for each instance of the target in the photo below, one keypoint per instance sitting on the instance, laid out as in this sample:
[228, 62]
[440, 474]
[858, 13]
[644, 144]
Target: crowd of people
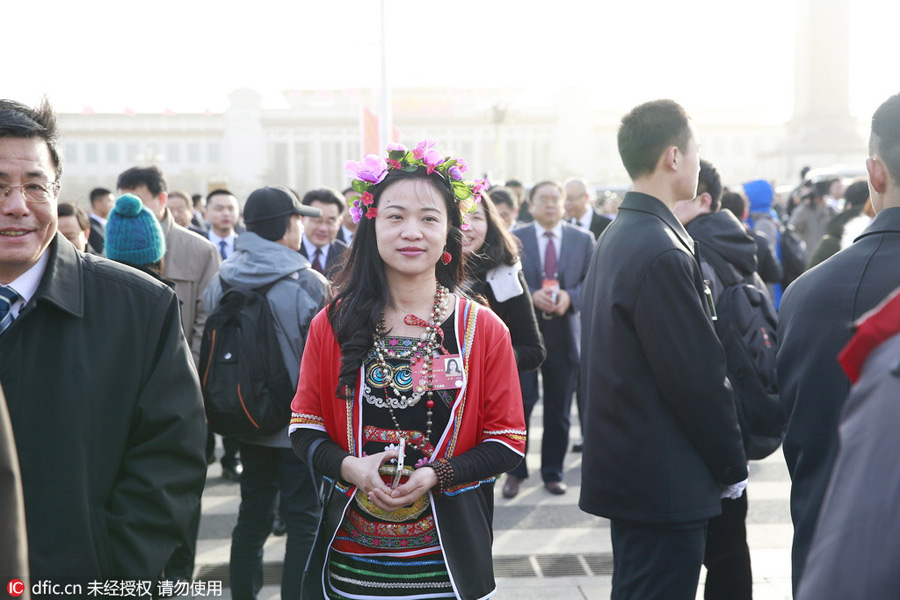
[420, 316]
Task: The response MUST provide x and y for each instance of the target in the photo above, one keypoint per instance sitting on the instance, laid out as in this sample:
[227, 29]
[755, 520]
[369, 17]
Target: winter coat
[856, 546]
[191, 263]
[294, 300]
[661, 430]
[814, 324]
[106, 409]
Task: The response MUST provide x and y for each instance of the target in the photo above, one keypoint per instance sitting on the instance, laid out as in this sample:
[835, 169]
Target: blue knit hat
[133, 235]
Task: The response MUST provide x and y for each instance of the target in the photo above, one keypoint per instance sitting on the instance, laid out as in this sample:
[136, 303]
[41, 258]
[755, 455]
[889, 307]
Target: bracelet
[444, 471]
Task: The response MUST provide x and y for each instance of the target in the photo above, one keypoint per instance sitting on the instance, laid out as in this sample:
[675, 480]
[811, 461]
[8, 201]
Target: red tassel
[446, 257]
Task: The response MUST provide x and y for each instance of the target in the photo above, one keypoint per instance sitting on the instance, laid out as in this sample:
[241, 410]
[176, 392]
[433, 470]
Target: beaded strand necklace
[423, 350]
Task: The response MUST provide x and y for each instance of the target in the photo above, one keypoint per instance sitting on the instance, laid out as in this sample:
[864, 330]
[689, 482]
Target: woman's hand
[418, 484]
[363, 472]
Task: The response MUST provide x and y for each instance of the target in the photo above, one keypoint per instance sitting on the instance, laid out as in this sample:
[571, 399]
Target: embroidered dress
[382, 555]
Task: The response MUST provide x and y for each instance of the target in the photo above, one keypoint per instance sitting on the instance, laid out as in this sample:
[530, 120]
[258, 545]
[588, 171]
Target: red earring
[446, 257]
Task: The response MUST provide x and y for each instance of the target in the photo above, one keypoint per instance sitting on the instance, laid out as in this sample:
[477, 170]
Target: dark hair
[499, 244]
[151, 176]
[271, 229]
[98, 193]
[347, 190]
[218, 192]
[736, 203]
[711, 183]
[20, 121]
[647, 131]
[885, 138]
[361, 288]
[66, 209]
[857, 193]
[183, 195]
[504, 195]
[195, 199]
[513, 183]
[822, 188]
[541, 184]
[806, 169]
[325, 196]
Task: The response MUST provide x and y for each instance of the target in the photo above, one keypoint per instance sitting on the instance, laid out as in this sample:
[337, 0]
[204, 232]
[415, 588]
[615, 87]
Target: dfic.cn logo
[15, 587]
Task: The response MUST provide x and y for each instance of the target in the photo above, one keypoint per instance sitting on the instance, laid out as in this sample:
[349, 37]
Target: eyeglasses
[33, 192]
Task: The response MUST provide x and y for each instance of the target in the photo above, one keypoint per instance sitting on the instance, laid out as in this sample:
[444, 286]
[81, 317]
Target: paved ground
[544, 547]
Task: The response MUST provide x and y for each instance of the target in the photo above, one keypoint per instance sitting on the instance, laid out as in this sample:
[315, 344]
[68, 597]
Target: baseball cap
[273, 202]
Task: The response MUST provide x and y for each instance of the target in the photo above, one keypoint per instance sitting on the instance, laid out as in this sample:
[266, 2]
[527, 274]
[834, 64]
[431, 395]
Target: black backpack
[793, 256]
[247, 391]
[747, 328]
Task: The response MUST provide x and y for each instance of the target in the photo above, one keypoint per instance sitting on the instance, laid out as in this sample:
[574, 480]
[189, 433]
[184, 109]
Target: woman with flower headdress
[411, 452]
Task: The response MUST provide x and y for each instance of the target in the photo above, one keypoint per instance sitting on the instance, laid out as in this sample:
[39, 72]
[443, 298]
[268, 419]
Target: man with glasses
[110, 451]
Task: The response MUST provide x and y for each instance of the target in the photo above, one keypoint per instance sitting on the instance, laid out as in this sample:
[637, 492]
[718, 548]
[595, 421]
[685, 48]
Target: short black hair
[325, 196]
[67, 209]
[857, 193]
[513, 183]
[711, 183]
[541, 184]
[218, 192]
[885, 138]
[504, 195]
[647, 131]
[271, 229]
[196, 199]
[734, 202]
[151, 176]
[20, 121]
[98, 193]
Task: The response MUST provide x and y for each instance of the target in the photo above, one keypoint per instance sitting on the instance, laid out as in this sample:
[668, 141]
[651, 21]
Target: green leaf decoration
[359, 186]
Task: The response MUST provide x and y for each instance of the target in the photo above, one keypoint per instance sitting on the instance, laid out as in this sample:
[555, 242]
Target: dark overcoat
[814, 323]
[661, 432]
[106, 409]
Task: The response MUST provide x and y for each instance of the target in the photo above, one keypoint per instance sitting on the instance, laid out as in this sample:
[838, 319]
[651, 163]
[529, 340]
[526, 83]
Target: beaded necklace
[423, 350]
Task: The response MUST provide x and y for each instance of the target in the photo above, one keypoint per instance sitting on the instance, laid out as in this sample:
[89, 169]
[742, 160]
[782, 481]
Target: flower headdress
[372, 170]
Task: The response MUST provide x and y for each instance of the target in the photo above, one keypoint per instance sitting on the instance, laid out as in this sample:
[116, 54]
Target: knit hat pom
[133, 234]
[128, 205]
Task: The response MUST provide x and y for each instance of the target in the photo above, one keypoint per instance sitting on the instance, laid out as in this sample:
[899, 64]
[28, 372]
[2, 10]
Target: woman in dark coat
[495, 273]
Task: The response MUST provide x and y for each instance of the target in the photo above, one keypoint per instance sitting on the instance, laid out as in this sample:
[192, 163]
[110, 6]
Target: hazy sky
[188, 55]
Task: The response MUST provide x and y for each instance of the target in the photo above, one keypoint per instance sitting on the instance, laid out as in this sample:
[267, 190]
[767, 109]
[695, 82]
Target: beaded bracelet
[444, 471]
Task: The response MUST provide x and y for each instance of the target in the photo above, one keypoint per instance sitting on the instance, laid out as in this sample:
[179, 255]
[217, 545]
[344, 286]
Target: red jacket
[488, 407]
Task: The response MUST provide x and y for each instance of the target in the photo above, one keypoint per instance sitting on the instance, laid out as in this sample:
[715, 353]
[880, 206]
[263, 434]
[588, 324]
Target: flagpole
[384, 125]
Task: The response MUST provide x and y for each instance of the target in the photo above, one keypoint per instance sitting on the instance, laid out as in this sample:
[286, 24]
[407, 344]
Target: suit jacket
[661, 430]
[574, 258]
[813, 325]
[98, 235]
[335, 257]
[598, 223]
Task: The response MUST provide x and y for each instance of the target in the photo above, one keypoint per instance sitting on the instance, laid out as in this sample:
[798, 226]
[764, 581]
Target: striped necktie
[7, 297]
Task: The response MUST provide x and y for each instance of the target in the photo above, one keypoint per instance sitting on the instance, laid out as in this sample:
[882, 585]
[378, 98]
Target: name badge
[446, 372]
[552, 286]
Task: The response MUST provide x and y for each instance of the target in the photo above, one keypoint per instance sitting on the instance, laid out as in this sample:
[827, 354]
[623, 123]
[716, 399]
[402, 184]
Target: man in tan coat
[191, 262]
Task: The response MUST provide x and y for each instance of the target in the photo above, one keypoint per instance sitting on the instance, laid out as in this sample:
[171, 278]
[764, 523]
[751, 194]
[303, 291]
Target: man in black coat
[814, 324]
[856, 546]
[110, 451]
[662, 441]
